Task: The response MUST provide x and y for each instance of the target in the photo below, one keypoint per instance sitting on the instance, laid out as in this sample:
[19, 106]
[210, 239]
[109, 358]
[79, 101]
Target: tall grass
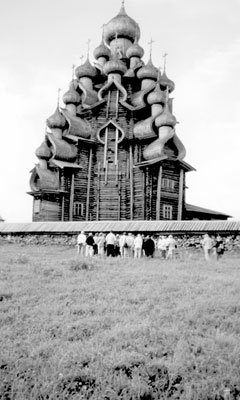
[75, 328]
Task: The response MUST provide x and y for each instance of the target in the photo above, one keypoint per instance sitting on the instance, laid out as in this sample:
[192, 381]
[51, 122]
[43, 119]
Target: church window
[167, 211]
[168, 184]
[78, 209]
[37, 206]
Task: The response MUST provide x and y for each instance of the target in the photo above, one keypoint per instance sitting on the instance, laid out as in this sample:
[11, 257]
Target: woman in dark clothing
[148, 246]
[219, 247]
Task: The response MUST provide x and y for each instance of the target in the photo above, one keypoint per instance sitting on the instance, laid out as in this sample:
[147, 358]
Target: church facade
[112, 153]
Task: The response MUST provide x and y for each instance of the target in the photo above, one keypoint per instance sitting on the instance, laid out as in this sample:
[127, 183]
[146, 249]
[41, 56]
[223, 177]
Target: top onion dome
[165, 81]
[71, 96]
[102, 51]
[148, 71]
[157, 96]
[135, 50]
[43, 151]
[85, 70]
[166, 118]
[124, 26]
[57, 120]
[114, 65]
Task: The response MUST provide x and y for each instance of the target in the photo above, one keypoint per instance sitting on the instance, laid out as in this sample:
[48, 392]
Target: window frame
[78, 209]
[167, 211]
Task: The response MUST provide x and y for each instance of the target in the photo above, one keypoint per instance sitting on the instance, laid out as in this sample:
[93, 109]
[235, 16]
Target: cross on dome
[58, 96]
[81, 59]
[165, 61]
[150, 44]
[73, 71]
[88, 47]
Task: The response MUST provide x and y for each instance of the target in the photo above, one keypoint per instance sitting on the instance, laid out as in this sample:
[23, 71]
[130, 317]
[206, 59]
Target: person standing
[110, 242]
[101, 243]
[130, 244]
[171, 246]
[219, 247]
[81, 243]
[207, 244]
[89, 245]
[123, 244]
[162, 246]
[138, 242]
[149, 246]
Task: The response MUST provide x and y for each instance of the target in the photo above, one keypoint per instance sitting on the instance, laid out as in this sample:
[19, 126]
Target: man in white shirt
[138, 242]
[162, 246]
[110, 242]
[171, 245]
[123, 244]
[207, 244]
[81, 243]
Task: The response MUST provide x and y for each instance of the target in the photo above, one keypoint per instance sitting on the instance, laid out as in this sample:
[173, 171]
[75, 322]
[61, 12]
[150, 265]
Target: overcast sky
[39, 42]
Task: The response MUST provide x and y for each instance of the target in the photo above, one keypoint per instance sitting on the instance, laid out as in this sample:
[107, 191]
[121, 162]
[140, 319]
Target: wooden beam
[89, 183]
[180, 195]
[131, 181]
[71, 199]
[98, 189]
[159, 187]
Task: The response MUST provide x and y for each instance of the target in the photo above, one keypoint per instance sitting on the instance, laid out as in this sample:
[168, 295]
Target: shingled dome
[148, 71]
[71, 96]
[102, 51]
[123, 25]
[85, 70]
[135, 50]
[165, 81]
[57, 120]
[114, 65]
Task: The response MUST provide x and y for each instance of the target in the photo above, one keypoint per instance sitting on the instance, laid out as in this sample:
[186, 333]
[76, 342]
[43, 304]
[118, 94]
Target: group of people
[125, 245]
[212, 246]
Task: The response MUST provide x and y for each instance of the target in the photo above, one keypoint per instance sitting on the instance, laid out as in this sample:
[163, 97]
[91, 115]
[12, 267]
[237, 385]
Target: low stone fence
[184, 242]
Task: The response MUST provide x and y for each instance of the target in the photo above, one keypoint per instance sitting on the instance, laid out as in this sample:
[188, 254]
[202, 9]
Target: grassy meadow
[73, 328]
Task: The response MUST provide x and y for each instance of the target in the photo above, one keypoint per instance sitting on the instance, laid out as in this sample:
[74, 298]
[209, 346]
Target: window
[78, 209]
[37, 206]
[167, 211]
[168, 184]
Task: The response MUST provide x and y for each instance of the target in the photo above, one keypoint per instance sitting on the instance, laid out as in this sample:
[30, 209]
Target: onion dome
[57, 120]
[165, 119]
[135, 50]
[123, 25]
[165, 81]
[85, 70]
[157, 96]
[71, 96]
[102, 51]
[43, 151]
[148, 71]
[114, 65]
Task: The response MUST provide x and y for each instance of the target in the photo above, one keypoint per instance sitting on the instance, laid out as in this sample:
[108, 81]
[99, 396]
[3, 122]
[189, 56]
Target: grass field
[116, 328]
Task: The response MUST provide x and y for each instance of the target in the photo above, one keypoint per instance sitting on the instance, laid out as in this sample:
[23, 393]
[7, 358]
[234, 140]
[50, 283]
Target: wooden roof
[197, 209]
[179, 227]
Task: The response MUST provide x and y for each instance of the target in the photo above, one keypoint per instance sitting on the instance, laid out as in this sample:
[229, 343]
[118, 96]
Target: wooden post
[62, 188]
[180, 196]
[131, 181]
[159, 187]
[119, 196]
[98, 190]
[89, 183]
[71, 199]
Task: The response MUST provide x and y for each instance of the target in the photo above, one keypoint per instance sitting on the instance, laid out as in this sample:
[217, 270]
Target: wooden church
[112, 153]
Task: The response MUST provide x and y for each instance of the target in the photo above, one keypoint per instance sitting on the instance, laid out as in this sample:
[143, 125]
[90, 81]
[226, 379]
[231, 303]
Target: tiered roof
[118, 62]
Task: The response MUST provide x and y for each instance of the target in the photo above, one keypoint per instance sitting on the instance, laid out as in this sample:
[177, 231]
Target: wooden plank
[71, 198]
[180, 196]
[159, 186]
[89, 183]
